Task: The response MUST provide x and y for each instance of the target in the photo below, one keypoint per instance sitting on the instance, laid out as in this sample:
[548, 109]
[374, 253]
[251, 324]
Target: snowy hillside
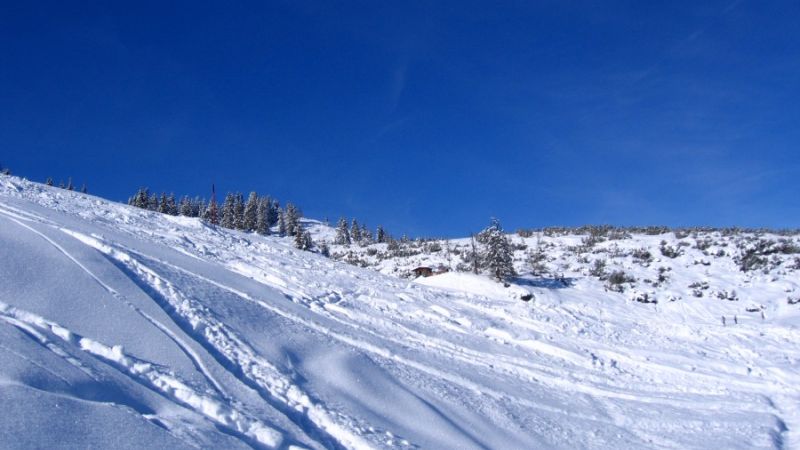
[125, 328]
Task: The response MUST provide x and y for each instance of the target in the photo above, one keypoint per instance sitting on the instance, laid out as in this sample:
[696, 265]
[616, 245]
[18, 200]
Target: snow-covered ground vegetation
[126, 328]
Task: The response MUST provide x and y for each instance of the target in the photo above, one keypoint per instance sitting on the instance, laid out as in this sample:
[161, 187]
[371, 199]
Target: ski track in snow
[158, 379]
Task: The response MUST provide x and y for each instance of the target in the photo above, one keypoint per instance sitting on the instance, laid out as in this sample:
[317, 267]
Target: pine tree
[380, 235]
[70, 187]
[185, 207]
[281, 222]
[324, 250]
[199, 207]
[84, 189]
[475, 256]
[163, 206]
[172, 205]
[291, 219]
[238, 211]
[49, 181]
[152, 202]
[262, 216]
[251, 212]
[366, 236]
[497, 257]
[228, 211]
[342, 233]
[212, 210]
[141, 198]
[355, 232]
[273, 211]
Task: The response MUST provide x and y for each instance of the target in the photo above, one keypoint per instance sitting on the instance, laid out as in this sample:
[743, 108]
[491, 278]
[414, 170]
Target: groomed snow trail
[211, 337]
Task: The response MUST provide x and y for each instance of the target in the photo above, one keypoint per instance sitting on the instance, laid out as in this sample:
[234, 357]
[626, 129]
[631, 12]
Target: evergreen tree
[84, 189]
[163, 205]
[497, 256]
[49, 181]
[70, 187]
[186, 207]
[251, 212]
[262, 216]
[366, 236]
[238, 211]
[355, 232]
[172, 206]
[141, 198]
[281, 222]
[291, 219]
[213, 211]
[228, 211]
[342, 233]
[308, 243]
[199, 207]
[380, 235]
[152, 202]
[273, 212]
[61, 184]
[5, 170]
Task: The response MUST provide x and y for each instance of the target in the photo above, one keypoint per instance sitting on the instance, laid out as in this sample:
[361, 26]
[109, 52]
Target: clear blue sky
[426, 117]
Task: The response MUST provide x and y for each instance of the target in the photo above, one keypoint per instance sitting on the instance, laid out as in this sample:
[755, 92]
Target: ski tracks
[251, 430]
[332, 428]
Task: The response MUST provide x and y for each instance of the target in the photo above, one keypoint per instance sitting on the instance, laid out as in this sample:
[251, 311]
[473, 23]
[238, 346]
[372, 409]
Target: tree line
[258, 214]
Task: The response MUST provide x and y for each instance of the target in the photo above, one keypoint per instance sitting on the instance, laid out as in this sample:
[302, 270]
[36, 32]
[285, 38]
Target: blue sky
[426, 117]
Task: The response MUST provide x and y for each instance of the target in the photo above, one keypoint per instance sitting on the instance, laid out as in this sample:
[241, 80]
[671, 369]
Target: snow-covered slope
[125, 328]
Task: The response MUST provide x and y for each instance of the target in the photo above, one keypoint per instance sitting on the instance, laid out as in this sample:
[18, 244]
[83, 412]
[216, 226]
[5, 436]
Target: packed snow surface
[126, 328]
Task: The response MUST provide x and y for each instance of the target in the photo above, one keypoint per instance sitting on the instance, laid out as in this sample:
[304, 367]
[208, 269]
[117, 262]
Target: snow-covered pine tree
[291, 219]
[342, 233]
[135, 200]
[298, 239]
[185, 207]
[70, 187]
[251, 212]
[262, 216]
[366, 236]
[238, 211]
[213, 210]
[199, 207]
[84, 189]
[228, 211]
[302, 239]
[163, 206]
[497, 256]
[152, 202]
[281, 222]
[355, 232]
[49, 181]
[172, 205]
[380, 235]
[272, 212]
[324, 250]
